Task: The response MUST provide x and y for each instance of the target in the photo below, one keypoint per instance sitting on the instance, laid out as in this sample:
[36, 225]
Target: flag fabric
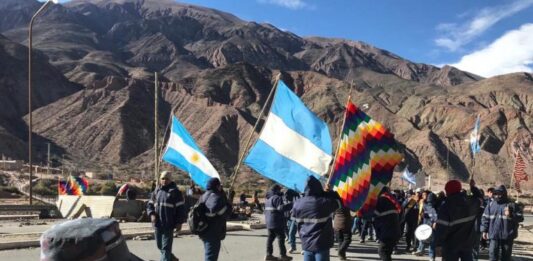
[409, 177]
[122, 190]
[183, 153]
[294, 143]
[62, 187]
[519, 171]
[365, 161]
[474, 138]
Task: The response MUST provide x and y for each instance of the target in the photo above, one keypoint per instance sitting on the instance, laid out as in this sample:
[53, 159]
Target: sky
[485, 37]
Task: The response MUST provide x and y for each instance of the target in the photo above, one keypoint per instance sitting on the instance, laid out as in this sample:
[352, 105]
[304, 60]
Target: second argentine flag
[293, 144]
[182, 152]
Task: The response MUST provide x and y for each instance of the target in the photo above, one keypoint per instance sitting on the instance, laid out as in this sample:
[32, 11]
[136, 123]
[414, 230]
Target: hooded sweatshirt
[496, 223]
[275, 209]
[313, 213]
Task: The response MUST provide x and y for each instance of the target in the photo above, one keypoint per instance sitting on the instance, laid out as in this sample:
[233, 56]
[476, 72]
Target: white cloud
[512, 52]
[291, 4]
[455, 36]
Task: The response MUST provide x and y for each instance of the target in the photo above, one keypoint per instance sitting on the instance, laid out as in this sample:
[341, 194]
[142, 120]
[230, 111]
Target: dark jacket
[497, 224]
[218, 209]
[168, 205]
[342, 221]
[455, 224]
[313, 214]
[410, 212]
[387, 218]
[275, 209]
[288, 199]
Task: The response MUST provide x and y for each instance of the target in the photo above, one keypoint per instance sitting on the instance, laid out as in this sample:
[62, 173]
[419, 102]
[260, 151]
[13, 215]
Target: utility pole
[48, 163]
[156, 136]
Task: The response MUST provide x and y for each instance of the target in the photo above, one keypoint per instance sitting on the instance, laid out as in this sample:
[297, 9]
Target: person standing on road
[217, 210]
[499, 225]
[342, 224]
[454, 230]
[387, 223]
[289, 198]
[409, 218]
[276, 223]
[166, 210]
[313, 214]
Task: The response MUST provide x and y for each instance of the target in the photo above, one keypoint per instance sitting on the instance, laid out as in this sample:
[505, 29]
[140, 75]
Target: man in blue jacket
[313, 214]
[499, 224]
[166, 209]
[275, 222]
[217, 210]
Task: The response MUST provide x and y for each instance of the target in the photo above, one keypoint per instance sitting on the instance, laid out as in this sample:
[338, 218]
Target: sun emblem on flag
[195, 158]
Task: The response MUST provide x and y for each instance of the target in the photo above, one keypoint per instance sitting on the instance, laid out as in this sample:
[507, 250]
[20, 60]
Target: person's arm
[181, 212]
[485, 222]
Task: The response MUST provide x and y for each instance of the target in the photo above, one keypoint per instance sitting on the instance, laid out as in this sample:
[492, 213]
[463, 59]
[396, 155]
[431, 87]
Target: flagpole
[512, 185]
[339, 141]
[250, 135]
[156, 136]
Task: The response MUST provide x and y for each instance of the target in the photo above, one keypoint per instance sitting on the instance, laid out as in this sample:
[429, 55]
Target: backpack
[197, 218]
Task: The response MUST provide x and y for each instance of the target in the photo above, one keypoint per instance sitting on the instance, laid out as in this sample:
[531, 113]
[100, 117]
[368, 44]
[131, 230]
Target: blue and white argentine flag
[474, 138]
[183, 153]
[409, 177]
[293, 144]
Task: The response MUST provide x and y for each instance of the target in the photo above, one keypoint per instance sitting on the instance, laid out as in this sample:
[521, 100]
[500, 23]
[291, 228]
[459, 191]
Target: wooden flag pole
[156, 132]
[250, 135]
[340, 140]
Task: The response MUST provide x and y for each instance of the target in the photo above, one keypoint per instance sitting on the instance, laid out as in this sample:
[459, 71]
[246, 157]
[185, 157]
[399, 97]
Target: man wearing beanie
[499, 225]
[454, 232]
[166, 210]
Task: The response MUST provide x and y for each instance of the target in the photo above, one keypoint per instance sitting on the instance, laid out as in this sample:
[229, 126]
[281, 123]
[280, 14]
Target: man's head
[425, 195]
[499, 193]
[165, 178]
[452, 187]
[490, 192]
[214, 185]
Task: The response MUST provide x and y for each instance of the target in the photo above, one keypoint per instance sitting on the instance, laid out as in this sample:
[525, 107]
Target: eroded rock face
[216, 72]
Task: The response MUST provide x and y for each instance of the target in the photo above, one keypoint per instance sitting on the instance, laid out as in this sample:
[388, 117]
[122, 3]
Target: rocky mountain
[216, 72]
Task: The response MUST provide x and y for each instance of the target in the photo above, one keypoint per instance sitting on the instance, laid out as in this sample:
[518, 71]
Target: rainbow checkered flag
[365, 160]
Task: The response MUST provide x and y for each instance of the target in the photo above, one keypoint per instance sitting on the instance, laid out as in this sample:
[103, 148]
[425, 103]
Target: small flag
[122, 190]
[182, 152]
[366, 159]
[519, 171]
[409, 177]
[294, 143]
[62, 187]
[474, 138]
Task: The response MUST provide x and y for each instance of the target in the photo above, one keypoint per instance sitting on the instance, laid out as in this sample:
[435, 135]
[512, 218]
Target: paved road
[239, 245]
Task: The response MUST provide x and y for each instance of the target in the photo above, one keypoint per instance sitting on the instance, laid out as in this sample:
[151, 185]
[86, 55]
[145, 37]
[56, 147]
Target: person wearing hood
[312, 214]
[429, 217]
[387, 223]
[499, 225]
[456, 218]
[217, 211]
[342, 224]
[275, 222]
[166, 209]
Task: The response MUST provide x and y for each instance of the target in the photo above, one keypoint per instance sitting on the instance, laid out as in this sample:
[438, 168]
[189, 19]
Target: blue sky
[487, 37]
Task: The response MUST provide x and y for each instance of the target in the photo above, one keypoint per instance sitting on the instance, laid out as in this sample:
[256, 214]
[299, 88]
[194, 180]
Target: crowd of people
[460, 222]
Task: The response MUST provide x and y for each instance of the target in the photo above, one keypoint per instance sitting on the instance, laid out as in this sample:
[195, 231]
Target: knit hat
[452, 187]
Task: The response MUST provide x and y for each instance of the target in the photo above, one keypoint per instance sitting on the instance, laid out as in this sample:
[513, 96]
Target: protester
[342, 224]
[166, 210]
[429, 217]
[276, 222]
[313, 213]
[500, 225]
[242, 199]
[257, 204]
[410, 217]
[289, 198]
[477, 227]
[217, 210]
[387, 223]
[455, 224]
[488, 198]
